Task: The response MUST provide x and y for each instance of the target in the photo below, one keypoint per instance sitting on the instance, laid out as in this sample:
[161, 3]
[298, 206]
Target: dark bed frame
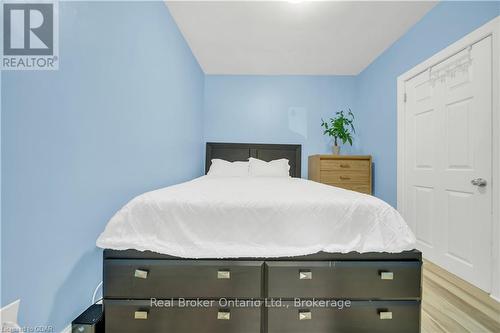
[147, 291]
[242, 151]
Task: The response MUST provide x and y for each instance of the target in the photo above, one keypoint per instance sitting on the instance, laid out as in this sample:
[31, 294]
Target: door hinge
[404, 97]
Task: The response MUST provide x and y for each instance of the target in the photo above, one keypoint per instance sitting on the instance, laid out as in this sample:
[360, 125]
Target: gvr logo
[28, 29]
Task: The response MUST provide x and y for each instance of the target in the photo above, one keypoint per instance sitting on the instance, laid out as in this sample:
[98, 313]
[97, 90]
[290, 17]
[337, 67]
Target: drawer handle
[305, 275]
[345, 166]
[385, 315]
[141, 315]
[386, 275]
[344, 178]
[141, 274]
[223, 275]
[305, 315]
[223, 315]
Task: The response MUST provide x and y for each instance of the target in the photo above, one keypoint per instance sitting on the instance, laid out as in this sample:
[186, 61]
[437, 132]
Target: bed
[279, 274]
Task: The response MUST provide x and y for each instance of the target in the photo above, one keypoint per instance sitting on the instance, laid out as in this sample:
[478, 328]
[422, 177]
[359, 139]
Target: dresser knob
[345, 166]
[387, 275]
[141, 274]
[385, 315]
[223, 275]
[344, 178]
[141, 315]
[223, 315]
[305, 275]
[305, 315]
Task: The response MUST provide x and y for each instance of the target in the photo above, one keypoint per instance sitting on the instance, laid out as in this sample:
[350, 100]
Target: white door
[448, 147]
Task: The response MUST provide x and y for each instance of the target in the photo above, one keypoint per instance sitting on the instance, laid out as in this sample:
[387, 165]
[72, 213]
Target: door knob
[479, 182]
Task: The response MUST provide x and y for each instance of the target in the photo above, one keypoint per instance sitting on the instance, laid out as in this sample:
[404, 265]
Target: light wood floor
[451, 305]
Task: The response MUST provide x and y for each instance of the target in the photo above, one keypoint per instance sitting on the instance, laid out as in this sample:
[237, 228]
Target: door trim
[492, 28]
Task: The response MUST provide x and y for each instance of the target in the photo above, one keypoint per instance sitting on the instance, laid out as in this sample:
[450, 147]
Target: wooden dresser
[352, 172]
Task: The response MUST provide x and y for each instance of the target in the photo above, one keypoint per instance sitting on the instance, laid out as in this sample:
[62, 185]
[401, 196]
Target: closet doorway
[445, 159]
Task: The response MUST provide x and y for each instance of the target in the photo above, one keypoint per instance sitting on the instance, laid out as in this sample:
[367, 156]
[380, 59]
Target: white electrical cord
[95, 292]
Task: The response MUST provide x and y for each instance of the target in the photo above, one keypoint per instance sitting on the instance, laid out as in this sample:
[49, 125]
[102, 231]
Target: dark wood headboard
[242, 151]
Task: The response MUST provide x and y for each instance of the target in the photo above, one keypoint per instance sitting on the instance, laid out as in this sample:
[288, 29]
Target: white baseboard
[9, 312]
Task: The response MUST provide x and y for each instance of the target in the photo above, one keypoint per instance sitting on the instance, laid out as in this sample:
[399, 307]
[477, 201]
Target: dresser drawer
[140, 316]
[345, 165]
[353, 187]
[345, 177]
[360, 317]
[345, 279]
[143, 279]
[345, 171]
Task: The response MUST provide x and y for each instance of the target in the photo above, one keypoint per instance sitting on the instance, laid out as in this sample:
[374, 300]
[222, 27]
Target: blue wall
[124, 114]
[1, 263]
[376, 85]
[120, 117]
[257, 108]
[275, 109]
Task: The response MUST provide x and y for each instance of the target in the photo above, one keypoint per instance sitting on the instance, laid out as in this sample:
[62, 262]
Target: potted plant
[339, 127]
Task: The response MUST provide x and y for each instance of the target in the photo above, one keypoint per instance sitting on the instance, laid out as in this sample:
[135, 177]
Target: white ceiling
[282, 37]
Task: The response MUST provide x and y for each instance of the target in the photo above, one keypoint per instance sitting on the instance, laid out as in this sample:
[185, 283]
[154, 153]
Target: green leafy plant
[340, 127]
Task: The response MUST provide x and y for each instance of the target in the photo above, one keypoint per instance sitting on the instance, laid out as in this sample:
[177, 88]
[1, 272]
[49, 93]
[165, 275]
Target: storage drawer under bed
[360, 317]
[344, 279]
[133, 316]
[144, 279]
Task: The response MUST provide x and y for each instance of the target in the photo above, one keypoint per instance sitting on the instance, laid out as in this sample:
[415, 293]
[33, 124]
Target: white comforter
[255, 217]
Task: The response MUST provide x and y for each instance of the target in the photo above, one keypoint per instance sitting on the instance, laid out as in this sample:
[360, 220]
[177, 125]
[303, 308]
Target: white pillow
[276, 168]
[222, 168]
